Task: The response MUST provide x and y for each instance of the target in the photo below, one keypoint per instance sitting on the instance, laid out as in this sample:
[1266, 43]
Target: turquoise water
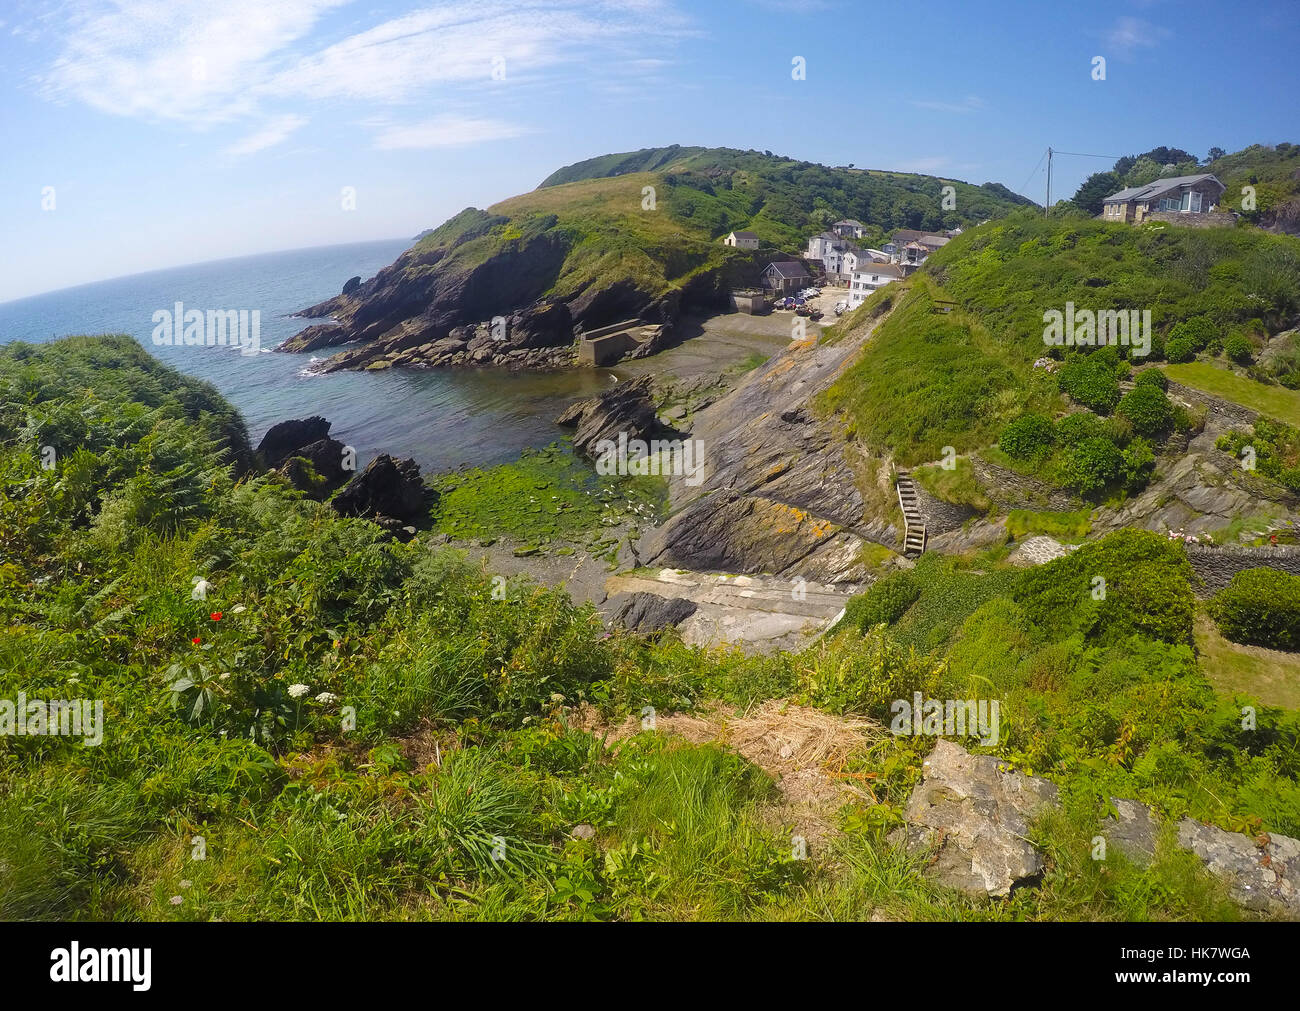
[442, 418]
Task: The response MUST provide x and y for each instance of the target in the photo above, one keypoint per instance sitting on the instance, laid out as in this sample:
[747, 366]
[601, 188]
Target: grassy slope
[459, 736]
[595, 211]
[926, 381]
[1273, 171]
[1274, 401]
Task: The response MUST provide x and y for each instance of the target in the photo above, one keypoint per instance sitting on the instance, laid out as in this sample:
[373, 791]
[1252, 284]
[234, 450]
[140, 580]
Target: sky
[144, 134]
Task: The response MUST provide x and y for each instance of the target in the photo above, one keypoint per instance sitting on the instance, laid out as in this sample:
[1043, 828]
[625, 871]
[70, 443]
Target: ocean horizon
[444, 419]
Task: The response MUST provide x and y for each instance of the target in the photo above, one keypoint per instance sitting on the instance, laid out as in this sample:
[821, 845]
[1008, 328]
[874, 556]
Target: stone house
[849, 228]
[1198, 194]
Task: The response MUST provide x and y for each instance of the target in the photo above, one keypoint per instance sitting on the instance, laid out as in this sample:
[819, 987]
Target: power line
[1033, 173]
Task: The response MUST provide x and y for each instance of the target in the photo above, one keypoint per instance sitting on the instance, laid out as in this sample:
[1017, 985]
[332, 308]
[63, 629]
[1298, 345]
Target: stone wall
[1223, 413]
[1217, 565]
[1015, 491]
[1219, 219]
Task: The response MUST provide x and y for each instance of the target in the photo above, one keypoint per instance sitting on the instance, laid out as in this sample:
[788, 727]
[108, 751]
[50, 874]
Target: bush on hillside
[1091, 380]
[1198, 330]
[1180, 349]
[1152, 377]
[1131, 582]
[1147, 409]
[1260, 607]
[1091, 465]
[1239, 348]
[1029, 437]
[885, 601]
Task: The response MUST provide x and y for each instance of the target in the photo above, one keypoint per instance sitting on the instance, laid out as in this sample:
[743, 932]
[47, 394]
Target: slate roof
[788, 269]
[1159, 186]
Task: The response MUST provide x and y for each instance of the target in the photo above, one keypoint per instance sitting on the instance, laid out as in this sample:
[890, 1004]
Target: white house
[853, 259]
[868, 278]
[823, 243]
[742, 240]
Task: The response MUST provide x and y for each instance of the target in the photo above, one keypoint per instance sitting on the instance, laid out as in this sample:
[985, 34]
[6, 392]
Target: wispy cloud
[446, 131]
[971, 103]
[1128, 35]
[162, 60]
[271, 134]
[210, 64]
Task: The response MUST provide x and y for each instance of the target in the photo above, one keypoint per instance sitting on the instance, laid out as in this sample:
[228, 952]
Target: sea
[443, 418]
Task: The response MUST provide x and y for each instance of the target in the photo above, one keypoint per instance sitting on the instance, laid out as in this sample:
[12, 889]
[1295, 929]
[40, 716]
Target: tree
[1096, 188]
[1215, 154]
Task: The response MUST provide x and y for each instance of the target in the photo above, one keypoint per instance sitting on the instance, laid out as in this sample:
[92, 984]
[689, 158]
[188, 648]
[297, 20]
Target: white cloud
[1128, 35]
[223, 61]
[446, 131]
[271, 134]
[165, 60]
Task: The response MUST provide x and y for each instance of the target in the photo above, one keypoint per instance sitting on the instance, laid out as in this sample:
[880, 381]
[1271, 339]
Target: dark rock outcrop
[626, 409]
[386, 488]
[284, 439]
[649, 613]
[325, 457]
[351, 284]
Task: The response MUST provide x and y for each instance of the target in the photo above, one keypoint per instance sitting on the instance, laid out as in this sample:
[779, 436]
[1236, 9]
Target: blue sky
[174, 132]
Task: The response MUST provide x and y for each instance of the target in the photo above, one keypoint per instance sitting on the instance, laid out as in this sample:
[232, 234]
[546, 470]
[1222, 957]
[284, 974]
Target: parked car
[813, 292]
[816, 314]
[798, 301]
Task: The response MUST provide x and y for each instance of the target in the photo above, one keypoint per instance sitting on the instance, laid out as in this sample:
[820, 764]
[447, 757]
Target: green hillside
[930, 380]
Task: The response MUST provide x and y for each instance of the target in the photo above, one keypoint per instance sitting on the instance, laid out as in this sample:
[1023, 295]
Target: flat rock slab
[974, 814]
[1262, 873]
[1133, 830]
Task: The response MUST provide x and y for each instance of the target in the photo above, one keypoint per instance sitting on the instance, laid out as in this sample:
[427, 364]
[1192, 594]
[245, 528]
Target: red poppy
[196, 640]
[216, 615]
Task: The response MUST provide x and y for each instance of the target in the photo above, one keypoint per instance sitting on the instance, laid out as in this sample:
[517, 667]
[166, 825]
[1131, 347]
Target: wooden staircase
[914, 535]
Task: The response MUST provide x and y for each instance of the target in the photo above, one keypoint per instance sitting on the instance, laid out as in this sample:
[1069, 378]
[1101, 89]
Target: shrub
[1198, 331]
[1180, 349]
[1089, 466]
[1260, 607]
[1239, 348]
[1152, 377]
[1147, 590]
[1091, 380]
[1081, 425]
[1029, 437]
[868, 677]
[885, 601]
[1139, 462]
[1147, 408]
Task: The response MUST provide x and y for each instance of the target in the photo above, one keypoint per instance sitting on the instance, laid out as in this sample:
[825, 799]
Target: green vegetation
[1274, 448]
[546, 499]
[1260, 607]
[885, 602]
[1273, 401]
[354, 725]
[1064, 526]
[957, 485]
[1272, 173]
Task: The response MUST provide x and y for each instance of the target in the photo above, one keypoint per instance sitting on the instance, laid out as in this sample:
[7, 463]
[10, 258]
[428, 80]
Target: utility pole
[1047, 207]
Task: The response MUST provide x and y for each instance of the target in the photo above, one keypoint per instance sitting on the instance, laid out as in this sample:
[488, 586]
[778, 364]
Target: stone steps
[914, 533]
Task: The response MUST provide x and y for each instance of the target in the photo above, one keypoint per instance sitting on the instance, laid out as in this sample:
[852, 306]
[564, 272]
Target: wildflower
[175, 900]
[238, 609]
[298, 691]
[185, 883]
[216, 615]
[196, 640]
[327, 698]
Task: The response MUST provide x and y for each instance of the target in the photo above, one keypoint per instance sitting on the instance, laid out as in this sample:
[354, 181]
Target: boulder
[286, 438]
[974, 814]
[351, 284]
[626, 409]
[1262, 873]
[386, 488]
[1132, 830]
[649, 613]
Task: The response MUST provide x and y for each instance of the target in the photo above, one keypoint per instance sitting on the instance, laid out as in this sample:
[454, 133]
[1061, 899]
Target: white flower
[186, 883]
[298, 691]
[327, 698]
[238, 609]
